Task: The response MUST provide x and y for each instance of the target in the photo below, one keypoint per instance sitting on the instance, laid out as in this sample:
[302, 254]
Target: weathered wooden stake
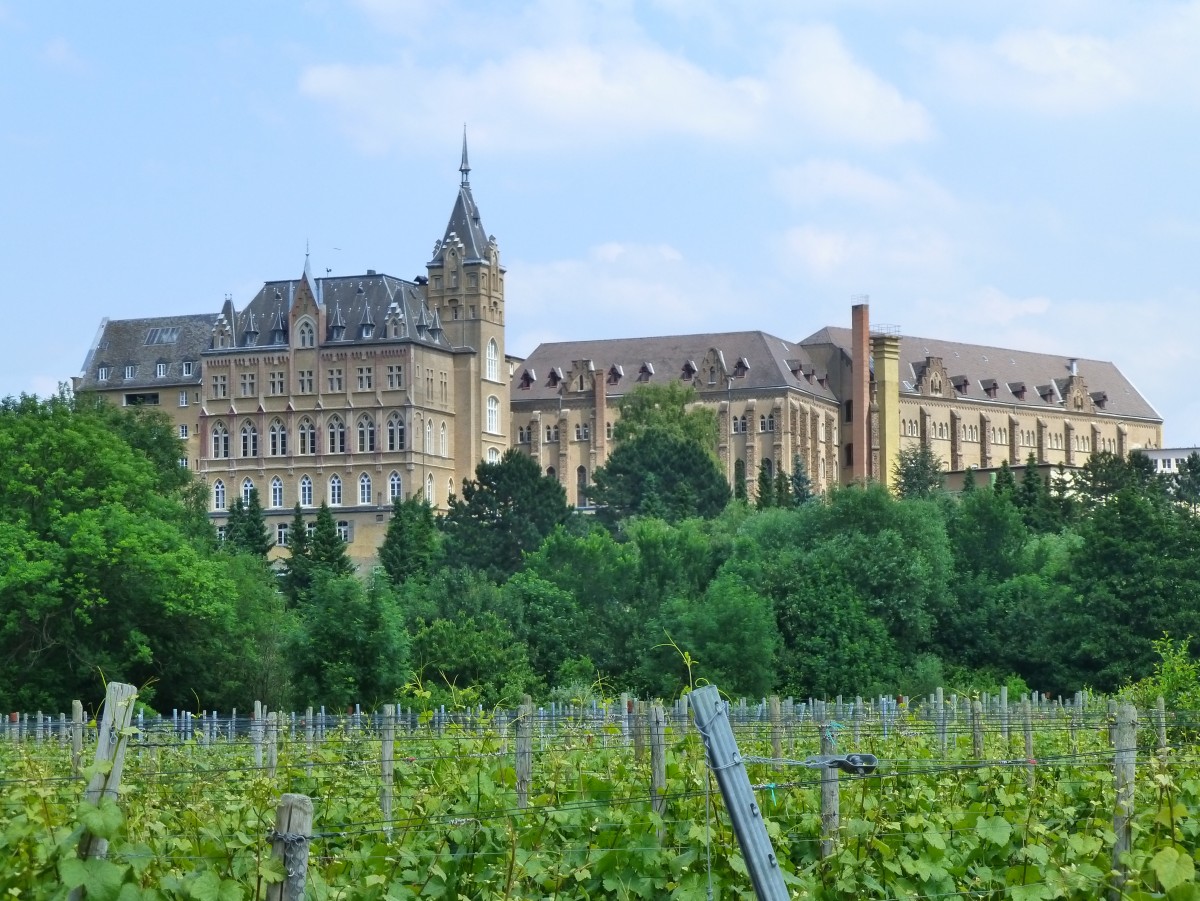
[1027, 716]
[386, 758]
[1004, 714]
[776, 729]
[977, 729]
[939, 713]
[272, 743]
[830, 795]
[658, 764]
[1160, 715]
[309, 734]
[289, 843]
[111, 742]
[76, 737]
[524, 750]
[1124, 765]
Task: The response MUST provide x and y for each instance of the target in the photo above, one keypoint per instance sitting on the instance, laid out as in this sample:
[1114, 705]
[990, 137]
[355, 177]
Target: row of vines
[193, 818]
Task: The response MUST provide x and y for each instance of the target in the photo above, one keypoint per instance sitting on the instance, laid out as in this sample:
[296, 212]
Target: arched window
[493, 363]
[335, 491]
[366, 434]
[247, 490]
[429, 496]
[308, 436]
[305, 491]
[220, 441]
[278, 436]
[449, 489]
[550, 473]
[395, 487]
[395, 432]
[218, 495]
[492, 423]
[428, 436]
[444, 446]
[337, 435]
[306, 335]
[493, 455]
[364, 489]
[249, 440]
[276, 492]
[768, 467]
[581, 486]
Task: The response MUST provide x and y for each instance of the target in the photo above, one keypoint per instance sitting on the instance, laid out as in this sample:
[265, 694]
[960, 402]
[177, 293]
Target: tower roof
[465, 225]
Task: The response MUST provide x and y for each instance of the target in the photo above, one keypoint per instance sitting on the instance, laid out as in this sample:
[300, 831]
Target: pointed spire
[465, 168]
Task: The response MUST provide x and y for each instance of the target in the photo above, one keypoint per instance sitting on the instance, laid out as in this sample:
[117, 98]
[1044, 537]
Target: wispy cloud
[61, 54]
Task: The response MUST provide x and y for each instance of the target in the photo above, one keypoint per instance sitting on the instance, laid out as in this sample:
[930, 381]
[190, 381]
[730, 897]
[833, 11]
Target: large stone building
[357, 390]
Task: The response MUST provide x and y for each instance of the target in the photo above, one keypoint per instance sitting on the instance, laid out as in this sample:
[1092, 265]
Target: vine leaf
[1172, 868]
[996, 830]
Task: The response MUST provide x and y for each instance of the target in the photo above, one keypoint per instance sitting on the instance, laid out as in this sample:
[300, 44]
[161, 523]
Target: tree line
[112, 570]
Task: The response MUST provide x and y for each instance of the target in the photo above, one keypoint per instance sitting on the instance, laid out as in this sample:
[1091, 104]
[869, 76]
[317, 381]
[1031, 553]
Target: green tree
[246, 530]
[1005, 482]
[351, 646]
[1186, 487]
[504, 512]
[410, 547]
[670, 408]
[297, 570]
[802, 488]
[764, 493]
[661, 474]
[1033, 498]
[968, 485]
[326, 548]
[739, 480]
[918, 472]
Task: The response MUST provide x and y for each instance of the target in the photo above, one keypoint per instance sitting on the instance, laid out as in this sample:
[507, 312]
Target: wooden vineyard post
[1160, 716]
[524, 750]
[1112, 723]
[940, 718]
[977, 729]
[289, 844]
[1027, 717]
[658, 764]
[639, 731]
[272, 744]
[776, 729]
[111, 742]
[1124, 766]
[386, 763]
[256, 735]
[830, 794]
[309, 733]
[76, 737]
[1004, 714]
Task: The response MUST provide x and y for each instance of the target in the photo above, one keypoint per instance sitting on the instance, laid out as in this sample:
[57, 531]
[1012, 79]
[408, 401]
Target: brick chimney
[860, 391]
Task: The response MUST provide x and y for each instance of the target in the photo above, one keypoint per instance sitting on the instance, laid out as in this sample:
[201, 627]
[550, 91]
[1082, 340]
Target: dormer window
[160, 370]
[367, 330]
[991, 388]
[527, 379]
[130, 371]
[555, 378]
[102, 373]
[742, 367]
[339, 331]
[689, 370]
[1099, 398]
[645, 372]
[581, 383]
[1046, 392]
[615, 374]
[961, 383]
[1017, 389]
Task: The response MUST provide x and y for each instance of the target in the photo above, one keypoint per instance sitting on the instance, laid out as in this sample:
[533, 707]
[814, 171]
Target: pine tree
[969, 480]
[246, 530]
[1005, 482]
[918, 472]
[410, 546]
[327, 550]
[1033, 497]
[802, 490]
[783, 489]
[297, 573]
[739, 480]
[764, 495]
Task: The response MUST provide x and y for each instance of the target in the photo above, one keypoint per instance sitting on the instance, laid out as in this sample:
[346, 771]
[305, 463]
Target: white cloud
[1077, 69]
[619, 89]
[619, 290]
[873, 256]
[817, 181]
[60, 54]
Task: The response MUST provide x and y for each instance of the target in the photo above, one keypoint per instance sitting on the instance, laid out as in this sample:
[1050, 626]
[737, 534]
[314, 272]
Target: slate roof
[981, 365]
[352, 302]
[771, 362]
[465, 225]
[143, 344]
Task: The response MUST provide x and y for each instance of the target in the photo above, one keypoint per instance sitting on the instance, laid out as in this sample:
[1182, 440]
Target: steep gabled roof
[1009, 371]
[143, 344]
[662, 359]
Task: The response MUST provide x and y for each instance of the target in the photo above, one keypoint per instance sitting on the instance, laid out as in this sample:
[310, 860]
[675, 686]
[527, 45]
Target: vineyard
[970, 800]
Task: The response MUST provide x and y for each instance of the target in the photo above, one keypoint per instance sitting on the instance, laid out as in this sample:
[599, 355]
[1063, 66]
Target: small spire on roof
[465, 168]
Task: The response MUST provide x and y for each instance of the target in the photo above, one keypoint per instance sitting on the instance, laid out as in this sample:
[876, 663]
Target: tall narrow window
[276, 492]
[247, 490]
[444, 447]
[335, 491]
[492, 423]
[249, 440]
[395, 486]
[429, 496]
[493, 362]
[220, 441]
[428, 436]
[366, 434]
[308, 436]
[581, 486]
[218, 495]
[364, 489]
[306, 334]
[395, 432]
[337, 435]
[278, 438]
[306, 491]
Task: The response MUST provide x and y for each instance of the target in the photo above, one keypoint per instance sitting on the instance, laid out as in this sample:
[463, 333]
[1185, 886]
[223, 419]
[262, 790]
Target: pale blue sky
[1020, 174]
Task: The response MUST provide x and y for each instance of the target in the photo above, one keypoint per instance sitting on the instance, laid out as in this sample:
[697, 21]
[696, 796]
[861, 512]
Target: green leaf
[100, 878]
[206, 887]
[996, 830]
[102, 820]
[1172, 868]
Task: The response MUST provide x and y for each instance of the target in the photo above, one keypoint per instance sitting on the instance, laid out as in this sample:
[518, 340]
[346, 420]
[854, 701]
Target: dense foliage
[112, 571]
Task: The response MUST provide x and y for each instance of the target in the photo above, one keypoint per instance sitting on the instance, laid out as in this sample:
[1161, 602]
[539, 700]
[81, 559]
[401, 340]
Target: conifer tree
[783, 489]
[764, 495]
[739, 480]
[246, 531]
[297, 573]
[1005, 482]
[410, 546]
[968, 486]
[327, 550]
[802, 489]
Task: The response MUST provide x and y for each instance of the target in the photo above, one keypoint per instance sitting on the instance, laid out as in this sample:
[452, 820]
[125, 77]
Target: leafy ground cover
[193, 819]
